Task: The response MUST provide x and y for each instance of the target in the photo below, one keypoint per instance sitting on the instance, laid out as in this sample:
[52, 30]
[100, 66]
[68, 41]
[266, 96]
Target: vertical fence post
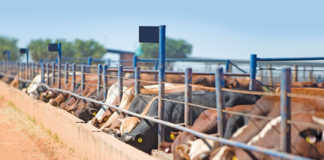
[59, 75]
[82, 77]
[73, 77]
[99, 79]
[253, 63]
[33, 70]
[47, 74]
[66, 73]
[134, 61]
[137, 80]
[89, 64]
[219, 82]
[53, 73]
[270, 74]
[90, 61]
[188, 96]
[310, 76]
[120, 82]
[105, 80]
[295, 74]
[161, 81]
[18, 70]
[261, 73]
[42, 73]
[228, 66]
[285, 111]
[304, 73]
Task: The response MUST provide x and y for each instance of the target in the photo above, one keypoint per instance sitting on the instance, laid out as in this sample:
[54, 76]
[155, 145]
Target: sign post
[156, 34]
[56, 47]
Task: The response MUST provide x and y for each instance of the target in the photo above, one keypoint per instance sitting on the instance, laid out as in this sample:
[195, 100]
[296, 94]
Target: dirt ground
[22, 138]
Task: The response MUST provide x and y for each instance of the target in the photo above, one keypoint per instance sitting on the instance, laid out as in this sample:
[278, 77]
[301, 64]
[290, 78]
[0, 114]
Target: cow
[270, 106]
[306, 140]
[207, 123]
[127, 124]
[174, 113]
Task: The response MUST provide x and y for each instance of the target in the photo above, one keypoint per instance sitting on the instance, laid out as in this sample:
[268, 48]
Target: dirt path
[21, 138]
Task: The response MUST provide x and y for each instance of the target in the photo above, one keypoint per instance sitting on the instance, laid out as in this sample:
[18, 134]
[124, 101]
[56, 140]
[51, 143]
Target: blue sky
[217, 29]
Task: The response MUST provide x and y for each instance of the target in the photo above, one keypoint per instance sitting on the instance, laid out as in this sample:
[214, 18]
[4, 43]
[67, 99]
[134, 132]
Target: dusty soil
[22, 138]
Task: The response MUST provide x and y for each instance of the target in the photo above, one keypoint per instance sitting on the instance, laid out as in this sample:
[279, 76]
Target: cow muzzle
[138, 139]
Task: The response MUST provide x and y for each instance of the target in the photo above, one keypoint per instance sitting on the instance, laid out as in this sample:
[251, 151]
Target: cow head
[311, 135]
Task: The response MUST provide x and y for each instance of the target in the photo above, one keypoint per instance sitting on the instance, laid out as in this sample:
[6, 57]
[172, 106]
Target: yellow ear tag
[94, 113]
[139, 139]
[310, 140]
[172, 137]
[234, 158]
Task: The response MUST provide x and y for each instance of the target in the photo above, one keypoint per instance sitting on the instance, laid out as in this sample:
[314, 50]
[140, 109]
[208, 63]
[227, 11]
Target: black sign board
[5, 52]
[149, 34]
[23, 50]
[52, 47]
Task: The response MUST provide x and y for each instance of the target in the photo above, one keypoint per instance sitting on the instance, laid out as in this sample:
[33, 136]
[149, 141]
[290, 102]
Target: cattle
[174, 113]
[270, 106]
[207, 123]
[129, 123]
[306, 140]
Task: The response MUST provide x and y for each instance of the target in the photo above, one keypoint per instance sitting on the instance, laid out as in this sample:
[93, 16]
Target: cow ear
[311, 135]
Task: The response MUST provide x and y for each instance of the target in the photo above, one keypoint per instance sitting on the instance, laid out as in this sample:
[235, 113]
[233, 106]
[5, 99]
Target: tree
[86, 48]
[76, 49]
[38, 50]
[10, 44]
[174, 49]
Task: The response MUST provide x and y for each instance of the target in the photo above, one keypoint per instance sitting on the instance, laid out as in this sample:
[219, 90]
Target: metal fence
[27, 72]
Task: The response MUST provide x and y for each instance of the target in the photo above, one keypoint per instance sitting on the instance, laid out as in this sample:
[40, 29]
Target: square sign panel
[23, 50]
[149, 34]
[52, 47]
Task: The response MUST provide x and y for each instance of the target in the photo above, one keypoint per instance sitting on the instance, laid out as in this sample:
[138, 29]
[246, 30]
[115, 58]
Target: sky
[217, 29]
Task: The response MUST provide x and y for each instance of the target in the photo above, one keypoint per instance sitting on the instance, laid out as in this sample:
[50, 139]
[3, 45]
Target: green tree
[86, 48]
[75, 49]
[174, 49]
[38, 49]
[10, 44]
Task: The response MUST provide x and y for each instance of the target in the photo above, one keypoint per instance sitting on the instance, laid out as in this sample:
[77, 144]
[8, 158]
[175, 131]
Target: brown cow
[205, 123]
[306, 140]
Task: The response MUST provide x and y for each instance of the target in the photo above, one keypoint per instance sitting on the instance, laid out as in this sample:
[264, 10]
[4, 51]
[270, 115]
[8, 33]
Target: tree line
[38, 49]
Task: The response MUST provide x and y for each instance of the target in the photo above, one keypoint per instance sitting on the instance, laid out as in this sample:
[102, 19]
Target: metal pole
[82, 78]
[47, 72]
[18, 71]
[42, 73]
[219, 81]
[89, 64]
[99, 70]
[161, 81]
[59, 63]
[89, 61]
[285, 111]
[66, 70]
[228, 66]
[73, 78]
[295, 73]
[270, 74]
[253, 63]
[53, 73]
[304, 73]
[105, 80]
[120, 82]
[137, 80]
[188, 96]
[134, 61]
[311, 74]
